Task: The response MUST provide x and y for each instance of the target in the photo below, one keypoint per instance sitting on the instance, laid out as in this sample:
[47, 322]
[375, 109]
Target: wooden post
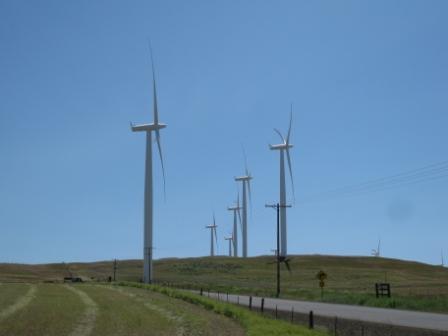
[250, 302]
[311, 320]
[276, 312]
[227, 296]
[115, 268]
[292, 314]
[262, 305]
[335, 326]
[201, 291]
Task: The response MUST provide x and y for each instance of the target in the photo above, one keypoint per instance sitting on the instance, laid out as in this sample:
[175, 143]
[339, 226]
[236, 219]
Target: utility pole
[115, 267]
[280, 258]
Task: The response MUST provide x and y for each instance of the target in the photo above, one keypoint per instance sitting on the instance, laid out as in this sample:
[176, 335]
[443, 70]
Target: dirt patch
[169, 315]
[21, 302]
[87, 322]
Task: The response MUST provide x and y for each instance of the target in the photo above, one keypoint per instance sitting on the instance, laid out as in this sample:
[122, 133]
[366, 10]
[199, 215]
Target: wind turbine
[236, 216]
[377, 252]
[148, 199]
[443, 261]
[230, 238]
[246, 185]
[284, 147]
[213, 237]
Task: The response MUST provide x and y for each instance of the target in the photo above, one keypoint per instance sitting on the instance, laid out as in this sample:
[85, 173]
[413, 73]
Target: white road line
[20, 303]
[87, 322]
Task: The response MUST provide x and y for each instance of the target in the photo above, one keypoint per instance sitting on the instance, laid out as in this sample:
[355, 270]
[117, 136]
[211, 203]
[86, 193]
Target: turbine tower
[246, 187]
[230, 238]
[284, 147]
[148, 198]
[236, 216]
[213, 237]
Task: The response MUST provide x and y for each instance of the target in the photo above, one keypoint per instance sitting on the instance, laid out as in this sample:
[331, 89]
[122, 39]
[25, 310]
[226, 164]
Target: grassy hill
[350, 279]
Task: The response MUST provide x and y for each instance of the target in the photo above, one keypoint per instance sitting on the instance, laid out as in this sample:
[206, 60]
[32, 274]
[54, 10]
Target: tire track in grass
[87, 322]
[169, 315]
[20, 303]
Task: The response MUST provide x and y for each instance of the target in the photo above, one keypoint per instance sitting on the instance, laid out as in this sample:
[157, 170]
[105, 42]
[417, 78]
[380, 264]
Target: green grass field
[58, 309]
[132, 309]
[350, 279]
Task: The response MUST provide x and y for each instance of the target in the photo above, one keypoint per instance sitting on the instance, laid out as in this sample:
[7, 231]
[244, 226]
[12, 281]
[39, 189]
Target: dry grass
[92, 309]
[350, 279]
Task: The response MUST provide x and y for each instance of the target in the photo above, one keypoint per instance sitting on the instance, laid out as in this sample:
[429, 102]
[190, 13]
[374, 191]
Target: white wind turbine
[148, 199]
[236, 216]
[443, 261]
[213, 237]
[284, 147]
[377, 252]
[246, 185]
[230, 239]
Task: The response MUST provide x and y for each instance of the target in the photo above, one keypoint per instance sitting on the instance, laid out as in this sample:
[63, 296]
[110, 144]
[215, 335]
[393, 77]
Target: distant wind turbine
[443, 261]
[213, 237]
[246, 186]
[377, 252]
[284, 147]
[148, 198]
[230, 238]
[236, 216]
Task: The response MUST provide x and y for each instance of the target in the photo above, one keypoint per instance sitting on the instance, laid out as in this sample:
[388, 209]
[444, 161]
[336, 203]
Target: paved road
[368, 314]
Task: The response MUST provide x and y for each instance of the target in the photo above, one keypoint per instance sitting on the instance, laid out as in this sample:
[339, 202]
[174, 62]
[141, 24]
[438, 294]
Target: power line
[425, 174]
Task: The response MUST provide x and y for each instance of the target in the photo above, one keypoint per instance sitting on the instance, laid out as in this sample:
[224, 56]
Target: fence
[333, 325]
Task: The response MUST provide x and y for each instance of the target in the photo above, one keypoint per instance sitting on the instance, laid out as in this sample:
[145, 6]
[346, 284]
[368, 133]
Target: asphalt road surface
[393, 317]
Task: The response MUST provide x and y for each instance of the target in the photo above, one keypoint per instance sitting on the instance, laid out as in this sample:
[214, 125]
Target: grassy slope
[254, 324]
[351, 279]
[131, 311]
[56, 310]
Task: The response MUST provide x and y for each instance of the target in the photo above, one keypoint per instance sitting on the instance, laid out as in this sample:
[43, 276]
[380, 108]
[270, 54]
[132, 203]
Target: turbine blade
[290, 173]
[216, 238]
[238, 209]
[241, 225]
[155, 111]
[152, 58]
[281, 136]
[250, 195]
[290, 123]
[161, 161]
[245, 161]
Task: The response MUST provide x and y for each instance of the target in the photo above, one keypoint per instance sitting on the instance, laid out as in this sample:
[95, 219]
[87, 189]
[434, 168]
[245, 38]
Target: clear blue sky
[369, 83]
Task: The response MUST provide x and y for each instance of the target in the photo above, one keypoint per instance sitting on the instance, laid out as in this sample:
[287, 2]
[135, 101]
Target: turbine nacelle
[146, 127]
[243, 178]
[234, 208]
[282, 146]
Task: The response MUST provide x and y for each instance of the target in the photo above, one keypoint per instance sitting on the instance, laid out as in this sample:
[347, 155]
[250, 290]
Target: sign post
[321, 276]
